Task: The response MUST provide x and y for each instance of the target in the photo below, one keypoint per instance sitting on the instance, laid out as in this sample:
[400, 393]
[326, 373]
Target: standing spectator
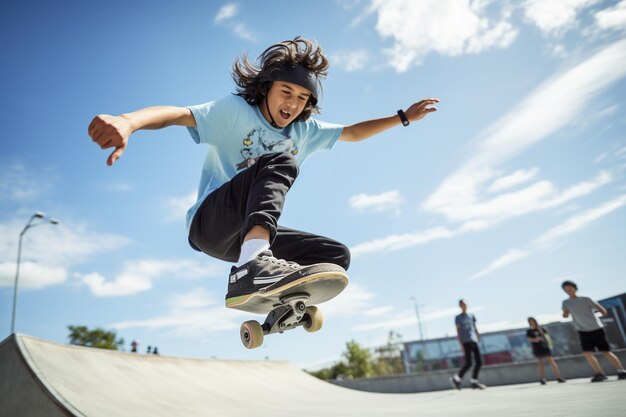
[540, 340]
[149, 350]
[155, 351]
[133, 346]
[468, 338]
[590, 330]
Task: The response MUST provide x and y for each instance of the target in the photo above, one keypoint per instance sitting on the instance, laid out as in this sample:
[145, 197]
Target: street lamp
[30, 224]
[419, 321]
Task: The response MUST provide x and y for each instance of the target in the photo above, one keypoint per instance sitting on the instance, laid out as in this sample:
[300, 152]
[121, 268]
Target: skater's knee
[283, 161]
[344, 257]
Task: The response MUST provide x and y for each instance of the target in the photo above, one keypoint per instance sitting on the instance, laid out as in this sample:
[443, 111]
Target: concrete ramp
[40, 378]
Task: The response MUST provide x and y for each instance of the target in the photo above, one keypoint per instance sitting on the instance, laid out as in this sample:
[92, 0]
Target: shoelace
[282, 262]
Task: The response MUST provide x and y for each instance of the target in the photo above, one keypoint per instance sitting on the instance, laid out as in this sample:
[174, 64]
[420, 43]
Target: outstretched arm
[363, 130]
[114, 131]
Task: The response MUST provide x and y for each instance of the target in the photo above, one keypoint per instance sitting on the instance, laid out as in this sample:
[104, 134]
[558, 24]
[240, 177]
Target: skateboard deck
[288, 306]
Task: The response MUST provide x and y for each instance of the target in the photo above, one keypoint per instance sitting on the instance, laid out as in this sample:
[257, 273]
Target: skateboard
[289, 306]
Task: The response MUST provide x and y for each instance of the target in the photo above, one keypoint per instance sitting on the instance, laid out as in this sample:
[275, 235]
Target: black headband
[296, 74]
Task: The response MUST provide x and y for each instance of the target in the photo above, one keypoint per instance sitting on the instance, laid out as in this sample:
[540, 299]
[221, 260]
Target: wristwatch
[405, 121]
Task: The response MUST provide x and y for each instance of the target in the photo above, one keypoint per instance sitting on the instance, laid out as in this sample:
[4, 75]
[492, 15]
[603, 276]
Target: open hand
[420, 109]
[110, 132]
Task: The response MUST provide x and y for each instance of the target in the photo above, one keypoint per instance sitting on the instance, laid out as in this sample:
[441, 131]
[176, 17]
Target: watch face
[403, 119]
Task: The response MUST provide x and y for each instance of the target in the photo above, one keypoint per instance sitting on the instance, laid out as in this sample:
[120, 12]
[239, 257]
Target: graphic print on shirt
[259, 142]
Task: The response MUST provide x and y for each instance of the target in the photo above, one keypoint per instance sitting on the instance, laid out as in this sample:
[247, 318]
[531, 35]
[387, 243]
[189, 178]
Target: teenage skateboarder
[257, 140]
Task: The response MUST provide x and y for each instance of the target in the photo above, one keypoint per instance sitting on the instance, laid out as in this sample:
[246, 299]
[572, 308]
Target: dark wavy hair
[571, 283]
[250, 78]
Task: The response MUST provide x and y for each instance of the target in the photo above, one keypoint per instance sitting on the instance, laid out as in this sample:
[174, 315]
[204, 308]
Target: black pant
[471, 348]
[254, 197]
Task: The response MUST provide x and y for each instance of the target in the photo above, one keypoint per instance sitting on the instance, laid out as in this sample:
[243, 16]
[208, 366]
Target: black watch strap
[405, 121]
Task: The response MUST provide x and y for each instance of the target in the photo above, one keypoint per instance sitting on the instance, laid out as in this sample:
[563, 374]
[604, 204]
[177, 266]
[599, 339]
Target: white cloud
[351, 302]
[242, 31]
[49, 251]
[196, 298]
[226, 16]
[387, 201]
[176, 207]
[408, 319]
[612, 18]
[397, 242]
[573, 224]
[188, 322]
[482, 215]
[226, 12]
[541, 195]
[516, 178]
[511, 256]
[552, 106]
[359, 15]
[554, 17]
[350, 60]
[138, 276]
[580, 221]
[32, 275]
[549, 108]
[196, 312]
[20, 183]
[124, 284]
[557, 50]
[191, 313]
[447, 27]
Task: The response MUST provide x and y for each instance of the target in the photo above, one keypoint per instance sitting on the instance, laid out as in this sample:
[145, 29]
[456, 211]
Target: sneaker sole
[321, 287]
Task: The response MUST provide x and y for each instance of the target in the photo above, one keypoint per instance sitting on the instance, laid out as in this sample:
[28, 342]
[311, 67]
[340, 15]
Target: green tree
[337, 371]
[98, 338]
[389, 357]
[358, 361]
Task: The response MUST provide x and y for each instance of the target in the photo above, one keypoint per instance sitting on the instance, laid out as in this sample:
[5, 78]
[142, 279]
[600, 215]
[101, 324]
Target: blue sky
[516, 183]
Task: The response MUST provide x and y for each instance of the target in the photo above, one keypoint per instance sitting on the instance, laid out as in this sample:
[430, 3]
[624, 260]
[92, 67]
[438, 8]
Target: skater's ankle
[251, 249]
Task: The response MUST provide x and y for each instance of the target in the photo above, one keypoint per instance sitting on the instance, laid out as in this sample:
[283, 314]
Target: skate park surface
[42, 378]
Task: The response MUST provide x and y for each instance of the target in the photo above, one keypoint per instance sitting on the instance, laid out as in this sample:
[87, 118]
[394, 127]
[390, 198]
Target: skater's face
[285, 102]
[570, 290]
[532, 323]
[463, 305]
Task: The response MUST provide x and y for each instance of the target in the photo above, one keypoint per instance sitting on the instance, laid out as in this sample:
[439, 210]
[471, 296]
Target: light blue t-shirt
[466, 327]
[237, 134]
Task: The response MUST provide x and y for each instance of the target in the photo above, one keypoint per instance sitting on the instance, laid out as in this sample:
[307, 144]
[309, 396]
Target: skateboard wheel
[251, 334]
[313, 319]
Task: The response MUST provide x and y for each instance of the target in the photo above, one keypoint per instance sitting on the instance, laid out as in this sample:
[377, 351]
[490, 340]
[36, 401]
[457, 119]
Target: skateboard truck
[290, 313]
[287, 315]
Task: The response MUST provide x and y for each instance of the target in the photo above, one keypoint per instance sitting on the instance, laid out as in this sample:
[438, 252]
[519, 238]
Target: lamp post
[30, 224]
[419, 321]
